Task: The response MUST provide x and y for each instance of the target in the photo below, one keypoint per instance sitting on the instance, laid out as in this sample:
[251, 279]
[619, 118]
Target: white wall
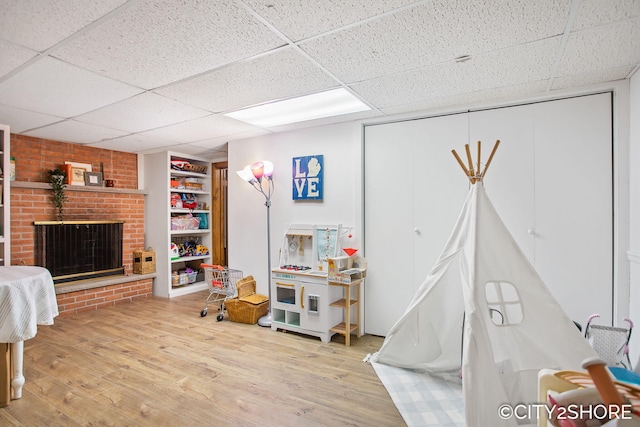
[634, 184]
[340, 146]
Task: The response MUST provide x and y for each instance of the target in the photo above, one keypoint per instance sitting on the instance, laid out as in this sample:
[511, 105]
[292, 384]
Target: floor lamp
[257, 174]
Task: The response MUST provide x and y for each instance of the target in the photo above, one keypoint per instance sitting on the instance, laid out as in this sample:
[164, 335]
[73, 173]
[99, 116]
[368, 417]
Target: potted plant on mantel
[58, 182]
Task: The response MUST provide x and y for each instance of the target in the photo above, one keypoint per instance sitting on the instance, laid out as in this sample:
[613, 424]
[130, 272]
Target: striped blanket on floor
[424, 399]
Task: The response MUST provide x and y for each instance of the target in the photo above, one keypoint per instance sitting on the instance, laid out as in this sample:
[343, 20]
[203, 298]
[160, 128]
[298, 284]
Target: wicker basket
[144, 262]
[248, 306]
[195, 168]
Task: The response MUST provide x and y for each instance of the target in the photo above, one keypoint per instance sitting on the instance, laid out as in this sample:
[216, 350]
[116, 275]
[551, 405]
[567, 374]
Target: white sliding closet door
[510, 179]
[410, 179]
[388, 207]
[574, 204]
[551, 183]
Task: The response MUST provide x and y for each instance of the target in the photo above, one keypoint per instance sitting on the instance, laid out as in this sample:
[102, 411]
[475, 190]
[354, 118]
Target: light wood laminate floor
[156, 362]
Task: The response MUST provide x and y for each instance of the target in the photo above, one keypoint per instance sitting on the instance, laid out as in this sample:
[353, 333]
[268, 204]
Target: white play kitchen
[315, 289]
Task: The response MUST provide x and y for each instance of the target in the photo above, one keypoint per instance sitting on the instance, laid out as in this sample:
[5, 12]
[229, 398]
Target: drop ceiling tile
[599, 12]
[404, 48]
[284, 73]
[215, 143]
[327, 121]
[73, 131]
[435, 32]
[305, 18]
[202, 152]
[602, 47]
[216, 155]
[41, 24]
[23, 120]
[134, 143]
[199, 129]
[142, 112]
[188, 149]
[50, 86]
[590, 78]
[527, 63]
[13, 56]
[158, 42]
[468, 100]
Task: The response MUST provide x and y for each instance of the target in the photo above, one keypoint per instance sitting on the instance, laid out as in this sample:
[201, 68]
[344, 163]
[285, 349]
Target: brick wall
[34, 157]
[104, 296]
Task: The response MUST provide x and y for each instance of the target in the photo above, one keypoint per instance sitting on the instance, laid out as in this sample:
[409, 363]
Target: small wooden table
[27, 299]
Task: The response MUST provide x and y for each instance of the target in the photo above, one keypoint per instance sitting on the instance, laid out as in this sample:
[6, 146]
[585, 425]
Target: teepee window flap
[503, 301]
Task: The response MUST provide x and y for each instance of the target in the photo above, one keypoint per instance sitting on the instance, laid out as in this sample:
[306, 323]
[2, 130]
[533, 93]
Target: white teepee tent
[513, 326]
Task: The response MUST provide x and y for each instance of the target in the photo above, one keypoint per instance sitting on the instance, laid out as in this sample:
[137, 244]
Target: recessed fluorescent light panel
[309, 107]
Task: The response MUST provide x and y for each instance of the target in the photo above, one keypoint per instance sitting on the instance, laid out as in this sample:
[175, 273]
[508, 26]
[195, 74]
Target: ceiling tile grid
[301, 19]
[282, 73]
[470, 99]
[23, 120]
[39, 24]
[602, 47]
[73, 131]
[142, 112]
[13, 56]
[140, 142]
[94, 72]
[221, 141]
[199, 129]
[159, 42]
[531, 62]
[435, 33]
[60, 89]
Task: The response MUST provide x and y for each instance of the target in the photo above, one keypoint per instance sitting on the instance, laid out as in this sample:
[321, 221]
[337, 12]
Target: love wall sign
[308, 177]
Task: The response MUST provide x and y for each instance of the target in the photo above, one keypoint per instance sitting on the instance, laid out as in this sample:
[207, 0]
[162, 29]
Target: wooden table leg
[347, 316]
[359, 333]
[5, 374]
[17, 379]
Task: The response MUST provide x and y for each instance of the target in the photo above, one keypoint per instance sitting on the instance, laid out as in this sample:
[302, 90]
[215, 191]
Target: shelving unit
[5, 197]
[345, 304]
[166, 186]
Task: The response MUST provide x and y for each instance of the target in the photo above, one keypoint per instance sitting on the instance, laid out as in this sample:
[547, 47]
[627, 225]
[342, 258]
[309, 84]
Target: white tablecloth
[27, 299]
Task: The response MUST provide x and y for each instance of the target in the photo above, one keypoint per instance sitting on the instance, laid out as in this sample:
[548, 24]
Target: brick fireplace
[31, 202]
[79, 250]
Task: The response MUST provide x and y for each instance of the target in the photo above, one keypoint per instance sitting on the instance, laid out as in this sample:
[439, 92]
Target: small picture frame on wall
[77, 175]
[93, 179]
[85, 166]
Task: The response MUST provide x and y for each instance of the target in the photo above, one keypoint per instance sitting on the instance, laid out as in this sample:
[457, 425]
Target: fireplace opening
[79, 250]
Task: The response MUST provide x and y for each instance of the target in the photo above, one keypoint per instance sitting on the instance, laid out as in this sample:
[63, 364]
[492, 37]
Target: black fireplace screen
[77, 250]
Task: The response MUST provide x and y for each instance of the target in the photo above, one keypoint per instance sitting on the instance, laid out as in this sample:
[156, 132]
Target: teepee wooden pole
[472, 175]
[479, 156]
[495, 147]
[464, 168]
